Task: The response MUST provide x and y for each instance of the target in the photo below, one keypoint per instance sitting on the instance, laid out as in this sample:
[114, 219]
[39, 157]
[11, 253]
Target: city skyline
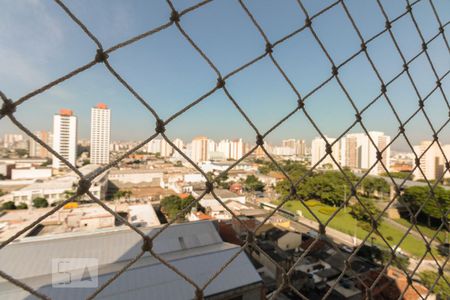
[260, 90]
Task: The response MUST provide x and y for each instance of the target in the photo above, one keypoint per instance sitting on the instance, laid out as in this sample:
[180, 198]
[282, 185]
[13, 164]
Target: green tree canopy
[372, 184]
[253, 184]
[435, 205]
[330, 187]
[361, 214]
[9, 205]
[22, 205]
[172, 205]
[40, 202]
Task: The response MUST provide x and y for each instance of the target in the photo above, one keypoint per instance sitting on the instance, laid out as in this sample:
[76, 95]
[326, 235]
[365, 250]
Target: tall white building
[178, 143]
[381, 141]
[318, 151]
[358, 151]
[64, 137]
[231, 149]
[9, 139]
[297, 146]
[165, 150]
[199, 149]
[100, 134]
[154, 146]
[432, 162]
[36, 150]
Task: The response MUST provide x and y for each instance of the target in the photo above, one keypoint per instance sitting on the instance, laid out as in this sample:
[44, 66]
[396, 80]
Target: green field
[427, 231]
[344, 222]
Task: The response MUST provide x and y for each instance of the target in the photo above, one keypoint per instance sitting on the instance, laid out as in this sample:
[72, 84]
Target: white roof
[199, 256]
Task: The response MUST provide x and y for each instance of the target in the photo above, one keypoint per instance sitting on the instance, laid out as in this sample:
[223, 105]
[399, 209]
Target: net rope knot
[147, 244]
[220, 83]
[363, 46]
[328, 149]
[199, 294]
[379, 155]
[101, 56]
[160, 127]
[269, 48]
[334, 71]
[308, 22]
[209, 187]
[83, 186]
[8, 108]
[259, 140]
[388, 25]
[175, 16]
[300, 104]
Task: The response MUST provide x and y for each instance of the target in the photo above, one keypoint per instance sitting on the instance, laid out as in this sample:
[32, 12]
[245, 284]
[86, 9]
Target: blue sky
[40, 43]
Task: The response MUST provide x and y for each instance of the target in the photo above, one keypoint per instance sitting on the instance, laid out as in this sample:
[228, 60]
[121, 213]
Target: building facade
[199, 148]
[64, 138]
[100, 134]
[36, 150]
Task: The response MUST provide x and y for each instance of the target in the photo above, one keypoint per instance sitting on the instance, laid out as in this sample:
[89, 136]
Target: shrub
[389, 238]
[22, 206]
[9, 205]
[313, 203]
[327, 210]
[40, 202]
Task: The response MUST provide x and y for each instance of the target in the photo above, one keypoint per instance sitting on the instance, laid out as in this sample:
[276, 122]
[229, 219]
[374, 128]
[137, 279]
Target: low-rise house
[56, 189]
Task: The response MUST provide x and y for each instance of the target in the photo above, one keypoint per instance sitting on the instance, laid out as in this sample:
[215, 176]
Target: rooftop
[194, 248]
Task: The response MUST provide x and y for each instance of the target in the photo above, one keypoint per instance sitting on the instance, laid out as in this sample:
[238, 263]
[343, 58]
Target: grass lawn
[344, 222]
[427, 231]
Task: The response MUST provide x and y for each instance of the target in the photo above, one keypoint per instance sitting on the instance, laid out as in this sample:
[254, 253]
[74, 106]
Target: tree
[441, 288]
[22, 206]
[371, 184]
[399, 175]
[40, 202]
[359, 213]
[435, 206]
[253, 184]
[172, 205]
[9, 205]
[2, 192]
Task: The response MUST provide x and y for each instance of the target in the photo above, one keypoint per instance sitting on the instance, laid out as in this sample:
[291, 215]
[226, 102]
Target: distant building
[318, 151]
[31, 173]
[297, 146]
[100, 134]
[232, 149]
[166, 150]
[356, 151]
[432, 161]
[9, 139]
[36, 150]
[178, 143]
[64, 137]
[55, 189]
[199, 149]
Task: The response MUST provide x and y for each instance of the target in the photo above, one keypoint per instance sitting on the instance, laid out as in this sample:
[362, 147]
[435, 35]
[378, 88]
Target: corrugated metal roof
[205, 253]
